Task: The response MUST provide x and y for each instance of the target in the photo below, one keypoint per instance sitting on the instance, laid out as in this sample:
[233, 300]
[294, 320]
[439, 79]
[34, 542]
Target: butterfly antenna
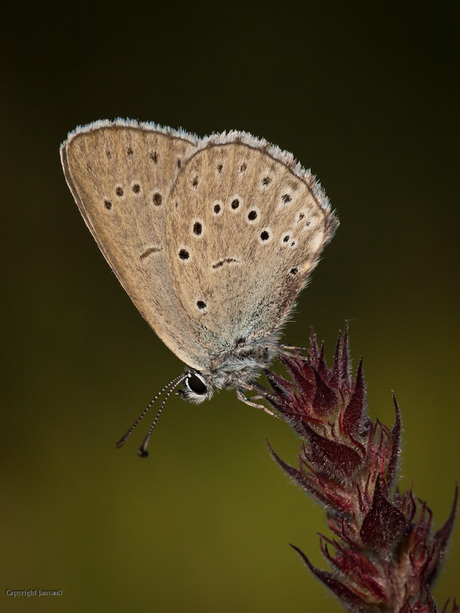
[172, 384]
[143, 453]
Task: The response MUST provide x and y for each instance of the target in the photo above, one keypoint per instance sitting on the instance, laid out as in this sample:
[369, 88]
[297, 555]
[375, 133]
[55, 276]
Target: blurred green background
[366, 94]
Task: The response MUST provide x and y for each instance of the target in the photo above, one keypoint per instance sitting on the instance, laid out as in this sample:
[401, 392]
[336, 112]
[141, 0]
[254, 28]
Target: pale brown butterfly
[212, 238]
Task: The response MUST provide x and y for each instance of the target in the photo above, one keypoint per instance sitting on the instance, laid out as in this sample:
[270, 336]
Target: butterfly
[212, 238]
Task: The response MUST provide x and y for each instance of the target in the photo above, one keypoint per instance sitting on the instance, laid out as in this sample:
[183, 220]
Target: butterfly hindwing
[244, 232]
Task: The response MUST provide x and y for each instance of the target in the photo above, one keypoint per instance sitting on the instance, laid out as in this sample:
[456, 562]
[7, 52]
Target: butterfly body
[236, 368]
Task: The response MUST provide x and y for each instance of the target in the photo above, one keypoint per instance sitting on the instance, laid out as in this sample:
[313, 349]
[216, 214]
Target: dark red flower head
[385, 554]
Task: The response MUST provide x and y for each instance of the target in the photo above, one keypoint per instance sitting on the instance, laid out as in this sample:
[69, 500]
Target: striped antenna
[170, 388]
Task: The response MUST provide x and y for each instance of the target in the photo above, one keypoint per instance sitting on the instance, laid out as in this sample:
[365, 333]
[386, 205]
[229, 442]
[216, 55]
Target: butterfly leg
[288, 350]
[241, 396]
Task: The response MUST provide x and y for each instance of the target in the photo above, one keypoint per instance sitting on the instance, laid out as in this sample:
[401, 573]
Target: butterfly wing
[120, 175]
[246, 228]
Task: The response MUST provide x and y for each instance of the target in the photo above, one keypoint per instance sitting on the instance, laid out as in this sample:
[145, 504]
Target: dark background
[366, 94]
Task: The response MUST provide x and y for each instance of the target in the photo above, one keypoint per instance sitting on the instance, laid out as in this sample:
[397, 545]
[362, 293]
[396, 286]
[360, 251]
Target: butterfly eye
[196, 384]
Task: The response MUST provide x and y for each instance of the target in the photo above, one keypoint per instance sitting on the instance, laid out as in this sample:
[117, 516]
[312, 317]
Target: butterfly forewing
[120, 177]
